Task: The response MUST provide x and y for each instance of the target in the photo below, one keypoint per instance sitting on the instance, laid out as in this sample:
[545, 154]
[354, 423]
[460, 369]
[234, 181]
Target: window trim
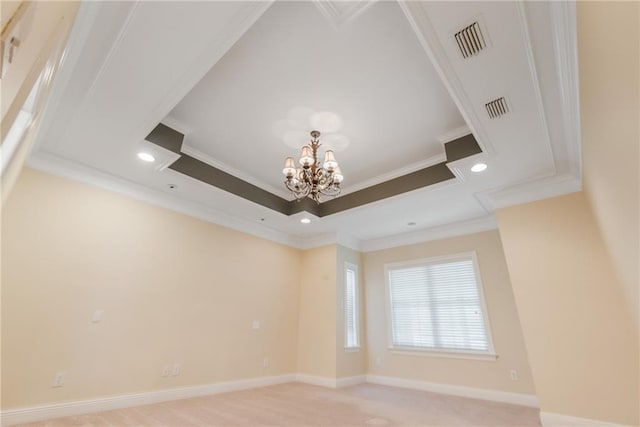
[350, 266]
[489, 355]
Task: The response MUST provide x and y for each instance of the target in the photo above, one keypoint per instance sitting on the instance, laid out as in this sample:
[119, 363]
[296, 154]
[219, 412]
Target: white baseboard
[331, 382]
[550, 419]
[67, 409]
[314, 380]
[349, 381]
[456, 390]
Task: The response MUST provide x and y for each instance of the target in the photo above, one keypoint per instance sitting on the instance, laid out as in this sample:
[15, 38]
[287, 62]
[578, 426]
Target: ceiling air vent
[470, 40]
[496, 108]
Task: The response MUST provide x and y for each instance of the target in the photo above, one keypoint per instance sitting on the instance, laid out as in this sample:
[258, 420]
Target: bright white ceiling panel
[372, 72]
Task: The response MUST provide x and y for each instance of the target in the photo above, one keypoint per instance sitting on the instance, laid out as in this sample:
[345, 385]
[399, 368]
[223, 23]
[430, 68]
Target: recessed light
[411, 224]
[146, 157]
[478, 167]
[172, 186]
[305, 220]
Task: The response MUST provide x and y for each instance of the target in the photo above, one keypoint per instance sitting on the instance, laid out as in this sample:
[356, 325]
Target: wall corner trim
[456, 390]
[550, 419]
[67, 409]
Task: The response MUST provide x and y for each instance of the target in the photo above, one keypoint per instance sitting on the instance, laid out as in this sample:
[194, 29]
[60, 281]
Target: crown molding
[203, 157]
[565, 38]
[338, 17]
[58, 166]
[461, 228]
[349, 241]
[531, 62]
[553, 185]
[413, 167]
[456, 133]
[75, 171]
[552, 182]
[421, 25]
[83, 25]
[342, 239]
[218, 47]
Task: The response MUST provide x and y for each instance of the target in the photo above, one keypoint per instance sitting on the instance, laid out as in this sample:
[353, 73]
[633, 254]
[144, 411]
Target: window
[437, 304]
[351, 338]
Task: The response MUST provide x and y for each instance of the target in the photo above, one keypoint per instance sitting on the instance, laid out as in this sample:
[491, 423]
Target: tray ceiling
[231, 76]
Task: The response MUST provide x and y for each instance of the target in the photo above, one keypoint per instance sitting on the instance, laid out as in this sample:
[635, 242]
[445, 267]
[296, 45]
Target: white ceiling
[372, 72]
[226, 73]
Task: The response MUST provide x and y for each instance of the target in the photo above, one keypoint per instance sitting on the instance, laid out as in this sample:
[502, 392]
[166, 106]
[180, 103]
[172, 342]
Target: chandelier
[312, 179]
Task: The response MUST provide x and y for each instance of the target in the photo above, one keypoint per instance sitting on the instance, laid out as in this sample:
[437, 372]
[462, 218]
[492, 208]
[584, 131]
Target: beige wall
[609, 53]
[582, 343]
[173, 289]
[349, 363]
[317, 328]
[501, 308]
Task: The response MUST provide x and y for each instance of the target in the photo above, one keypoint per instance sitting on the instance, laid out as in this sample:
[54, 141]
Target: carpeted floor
[297, 404]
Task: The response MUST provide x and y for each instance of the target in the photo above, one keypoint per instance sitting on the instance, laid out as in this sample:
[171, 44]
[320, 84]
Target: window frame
[489, 355]
[356, 302]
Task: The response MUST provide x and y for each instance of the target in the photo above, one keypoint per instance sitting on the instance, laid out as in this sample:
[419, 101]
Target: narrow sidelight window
[351, 303]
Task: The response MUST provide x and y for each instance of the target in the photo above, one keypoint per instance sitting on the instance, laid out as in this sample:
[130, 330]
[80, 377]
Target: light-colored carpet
[297, 404]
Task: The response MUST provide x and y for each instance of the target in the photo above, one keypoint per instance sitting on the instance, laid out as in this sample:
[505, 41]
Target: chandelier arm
[332, 190]
[312, 180]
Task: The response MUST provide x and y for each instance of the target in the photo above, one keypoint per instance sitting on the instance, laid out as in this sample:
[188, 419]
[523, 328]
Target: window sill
[351, 349]
[488, 357]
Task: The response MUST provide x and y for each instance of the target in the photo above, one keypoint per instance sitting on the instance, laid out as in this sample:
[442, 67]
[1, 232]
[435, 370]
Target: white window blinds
[351, 307]
[438, 305]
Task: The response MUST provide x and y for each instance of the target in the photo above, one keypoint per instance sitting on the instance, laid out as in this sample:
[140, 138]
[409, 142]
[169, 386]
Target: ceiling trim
[421, 25]
[83, 24]
[565, 37]
[86, 175]
[549, 183]
[75, 171]
[524, 26]
[413, 167]
[338, 18]
[471, 226]
[206, 60]
[172, 140]
[325, 239]
[197, 154]
[553, 185]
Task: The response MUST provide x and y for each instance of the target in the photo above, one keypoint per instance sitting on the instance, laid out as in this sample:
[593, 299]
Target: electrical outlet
[514, 375]
[166, 370]
[58, 380]
[265, 362]
[176, 370]
[255, 324]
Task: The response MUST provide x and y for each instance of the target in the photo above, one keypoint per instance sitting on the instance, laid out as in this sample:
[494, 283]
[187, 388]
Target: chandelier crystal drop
[311, 178]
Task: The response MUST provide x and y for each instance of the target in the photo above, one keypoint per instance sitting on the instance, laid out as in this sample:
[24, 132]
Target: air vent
[470, 40]
[496, 108]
